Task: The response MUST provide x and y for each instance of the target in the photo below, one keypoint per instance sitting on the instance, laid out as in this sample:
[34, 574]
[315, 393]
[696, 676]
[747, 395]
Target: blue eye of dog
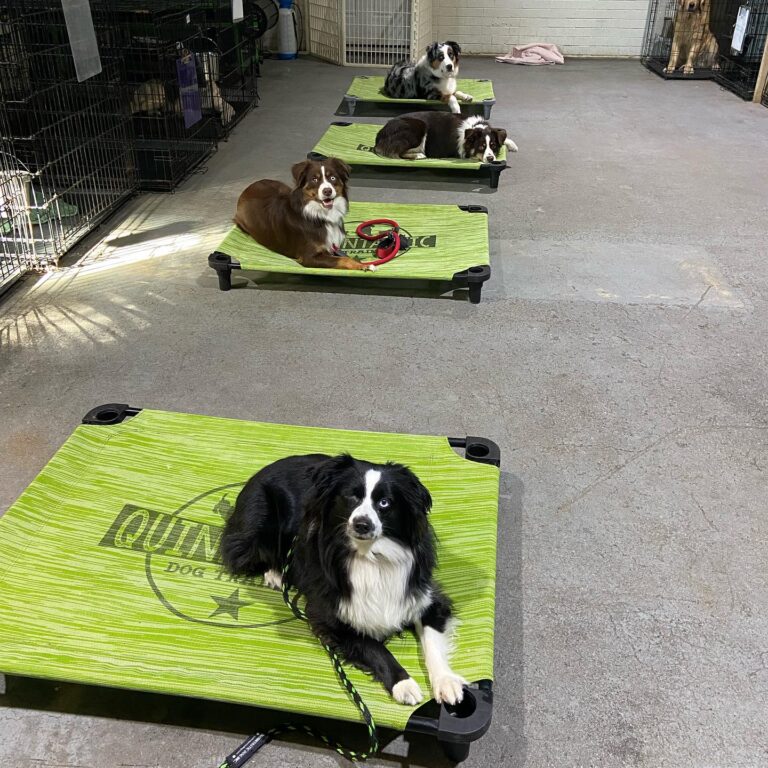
[333, 178]
[384, 503]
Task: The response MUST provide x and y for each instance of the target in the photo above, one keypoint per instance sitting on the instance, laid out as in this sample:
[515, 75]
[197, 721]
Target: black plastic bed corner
[494, 169]
[316, 156]
[473, 208]
[456, 727]
[109, 413]
[341, 123]
[223, 265]
[479, 449]
[473, 278]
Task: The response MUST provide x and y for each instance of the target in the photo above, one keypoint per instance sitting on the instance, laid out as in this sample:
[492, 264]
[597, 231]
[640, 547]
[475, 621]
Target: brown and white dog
[305, 223]
[419, 135]
[692, 42]
[433, 76]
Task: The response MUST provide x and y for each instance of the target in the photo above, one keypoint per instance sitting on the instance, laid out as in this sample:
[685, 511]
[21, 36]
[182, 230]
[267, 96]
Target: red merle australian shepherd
[305, 223]
[433, 76]
[364, 552]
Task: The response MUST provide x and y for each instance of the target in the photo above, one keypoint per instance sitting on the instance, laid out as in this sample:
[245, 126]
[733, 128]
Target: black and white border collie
[433, 76]
[419, 135]
[363, 557]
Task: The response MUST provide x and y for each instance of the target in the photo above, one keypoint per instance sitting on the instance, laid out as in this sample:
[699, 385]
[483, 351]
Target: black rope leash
[254, 743]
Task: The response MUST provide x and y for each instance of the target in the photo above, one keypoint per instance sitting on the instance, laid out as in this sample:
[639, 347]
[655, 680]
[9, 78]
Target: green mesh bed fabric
[446, 240]
[369, 89]
[353, 143]
[110, 574]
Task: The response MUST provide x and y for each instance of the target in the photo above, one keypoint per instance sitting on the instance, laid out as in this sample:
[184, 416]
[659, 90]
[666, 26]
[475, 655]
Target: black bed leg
[495, 171]
[456, 752]
[223, 265]
[487, 111]
[225, 279]
[475, 292]
[351, 104]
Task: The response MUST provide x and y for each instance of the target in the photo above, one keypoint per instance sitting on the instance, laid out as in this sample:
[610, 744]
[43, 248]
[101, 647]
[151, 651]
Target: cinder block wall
[578, 27]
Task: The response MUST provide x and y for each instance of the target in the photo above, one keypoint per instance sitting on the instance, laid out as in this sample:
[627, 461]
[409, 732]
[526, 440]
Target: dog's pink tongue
[328, 203]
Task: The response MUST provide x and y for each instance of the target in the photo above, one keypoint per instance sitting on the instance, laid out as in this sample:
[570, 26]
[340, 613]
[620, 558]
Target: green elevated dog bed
[353, 143]
[110, 572]
[449, 243]
[367, 90]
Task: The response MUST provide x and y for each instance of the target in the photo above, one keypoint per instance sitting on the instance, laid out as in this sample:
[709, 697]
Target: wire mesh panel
[67, 159]
[742, 40]
[679, 40]
[16, 240]
[326, 29]
[378, 31]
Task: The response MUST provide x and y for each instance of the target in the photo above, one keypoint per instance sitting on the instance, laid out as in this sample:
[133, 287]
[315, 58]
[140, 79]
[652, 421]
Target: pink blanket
[533, 53]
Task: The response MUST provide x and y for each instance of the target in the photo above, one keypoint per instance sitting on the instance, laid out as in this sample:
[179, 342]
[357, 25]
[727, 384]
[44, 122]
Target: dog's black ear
[299, 172]
[325, 477]
[415, 493]
[432, 50]
[501, 135]
[455, 46]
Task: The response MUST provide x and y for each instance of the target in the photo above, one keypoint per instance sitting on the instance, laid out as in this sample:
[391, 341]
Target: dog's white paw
[687, 70]
[466, 97]
[669, 70]
[371, 268]
[273, 580]
[419, 156]
[448, 689]
[407, 692]
[510, 145]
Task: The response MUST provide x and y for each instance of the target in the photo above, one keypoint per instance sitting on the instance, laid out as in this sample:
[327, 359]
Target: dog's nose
[362, 526]
[449, 67]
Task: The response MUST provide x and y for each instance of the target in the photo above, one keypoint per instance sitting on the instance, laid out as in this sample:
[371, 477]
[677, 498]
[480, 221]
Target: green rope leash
[249, 747]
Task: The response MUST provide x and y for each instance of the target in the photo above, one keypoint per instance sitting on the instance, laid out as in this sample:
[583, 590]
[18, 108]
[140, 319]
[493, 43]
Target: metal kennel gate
[67, 159]
[369, 32]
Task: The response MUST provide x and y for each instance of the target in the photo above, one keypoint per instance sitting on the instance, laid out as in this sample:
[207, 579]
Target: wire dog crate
[174, 109]
[741, 54]
[66, 145]
[679, 33]
[364, 33]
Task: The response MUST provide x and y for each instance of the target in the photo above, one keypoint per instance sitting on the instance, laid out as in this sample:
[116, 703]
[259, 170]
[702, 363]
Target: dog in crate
[432, 77]
[692, 42]
[306, 222]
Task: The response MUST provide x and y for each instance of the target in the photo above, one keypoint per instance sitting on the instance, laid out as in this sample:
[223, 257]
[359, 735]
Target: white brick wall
[578, 27]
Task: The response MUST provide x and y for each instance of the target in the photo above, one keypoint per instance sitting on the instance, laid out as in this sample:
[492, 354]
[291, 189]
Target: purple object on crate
[189, 93]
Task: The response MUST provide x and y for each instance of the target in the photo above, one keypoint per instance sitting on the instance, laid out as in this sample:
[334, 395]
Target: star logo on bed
[230, 605]
[183, 565]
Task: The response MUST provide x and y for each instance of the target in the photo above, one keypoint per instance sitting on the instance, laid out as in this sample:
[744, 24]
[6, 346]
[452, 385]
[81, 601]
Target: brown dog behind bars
[692, 41]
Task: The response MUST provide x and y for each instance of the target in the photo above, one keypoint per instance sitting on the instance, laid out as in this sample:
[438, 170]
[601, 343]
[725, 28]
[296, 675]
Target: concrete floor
[618, 358]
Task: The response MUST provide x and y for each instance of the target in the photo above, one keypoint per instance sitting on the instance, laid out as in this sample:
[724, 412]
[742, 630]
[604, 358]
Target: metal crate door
[378, 32]
[326, 29]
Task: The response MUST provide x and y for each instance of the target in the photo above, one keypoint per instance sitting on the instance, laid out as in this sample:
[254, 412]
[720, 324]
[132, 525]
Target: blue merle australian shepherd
[363, 555]
[433, 76]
